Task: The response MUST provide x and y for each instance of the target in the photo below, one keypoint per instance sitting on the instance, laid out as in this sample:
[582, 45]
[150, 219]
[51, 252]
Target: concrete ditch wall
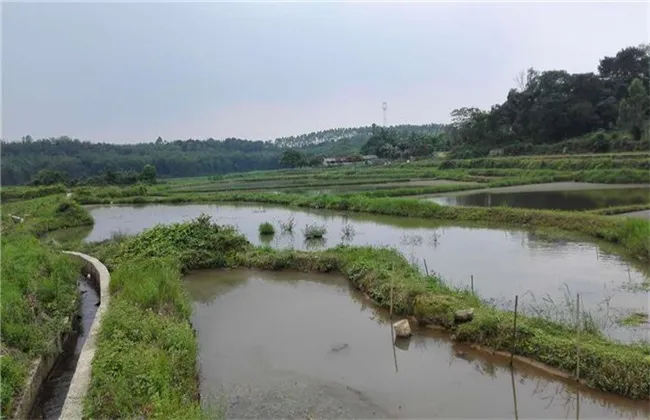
[73, 405]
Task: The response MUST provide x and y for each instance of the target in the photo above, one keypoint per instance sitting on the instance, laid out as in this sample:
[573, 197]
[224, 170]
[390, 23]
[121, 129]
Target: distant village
[351, 160]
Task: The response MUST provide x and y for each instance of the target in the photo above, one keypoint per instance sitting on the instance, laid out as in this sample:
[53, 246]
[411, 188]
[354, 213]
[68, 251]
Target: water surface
[570, 199]
[503, 262]
[287, 345]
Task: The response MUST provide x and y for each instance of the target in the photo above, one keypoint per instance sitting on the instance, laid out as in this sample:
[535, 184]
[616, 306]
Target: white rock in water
[402, 328]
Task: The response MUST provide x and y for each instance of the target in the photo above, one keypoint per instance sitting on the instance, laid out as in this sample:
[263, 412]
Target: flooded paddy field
[287, 345]
[543, 272]
[553, 196]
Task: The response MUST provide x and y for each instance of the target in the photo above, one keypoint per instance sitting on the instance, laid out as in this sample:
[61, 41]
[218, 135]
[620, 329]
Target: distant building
[350, 160]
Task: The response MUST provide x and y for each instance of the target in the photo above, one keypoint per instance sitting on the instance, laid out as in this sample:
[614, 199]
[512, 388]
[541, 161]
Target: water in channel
[296, 345]
[544, 273]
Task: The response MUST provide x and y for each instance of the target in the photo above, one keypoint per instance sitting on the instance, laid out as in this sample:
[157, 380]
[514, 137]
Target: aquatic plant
[288, 225]
[314, 231]
[347, 232]
[266, 229]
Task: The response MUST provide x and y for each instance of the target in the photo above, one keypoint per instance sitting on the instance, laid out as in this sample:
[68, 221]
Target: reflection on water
[286, 344]
[556, 200]
[504, 263]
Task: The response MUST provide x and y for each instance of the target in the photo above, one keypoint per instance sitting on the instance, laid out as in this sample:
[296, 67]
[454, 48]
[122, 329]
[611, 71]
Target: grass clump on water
[266, 229]
[314, 231]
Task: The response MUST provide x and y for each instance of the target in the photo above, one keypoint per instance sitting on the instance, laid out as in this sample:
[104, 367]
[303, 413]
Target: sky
[127, 72]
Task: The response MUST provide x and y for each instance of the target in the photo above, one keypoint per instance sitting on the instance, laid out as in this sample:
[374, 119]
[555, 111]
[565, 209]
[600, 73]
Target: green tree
[48, 177]
[633, 110]
[293, 159]
[148, 174]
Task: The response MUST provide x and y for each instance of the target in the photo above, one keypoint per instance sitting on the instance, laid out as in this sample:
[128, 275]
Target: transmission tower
[384, 106]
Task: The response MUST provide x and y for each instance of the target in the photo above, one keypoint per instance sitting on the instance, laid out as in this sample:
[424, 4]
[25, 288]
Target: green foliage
[293, 159]
[44, 214]
[25, 193]
[194, 244]
[148, 174]
[48, 177]
[635, 109]
[551, 106]
[39, 292]
[266, 228]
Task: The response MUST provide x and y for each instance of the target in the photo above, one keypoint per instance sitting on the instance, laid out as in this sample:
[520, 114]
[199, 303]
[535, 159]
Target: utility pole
[384, 106]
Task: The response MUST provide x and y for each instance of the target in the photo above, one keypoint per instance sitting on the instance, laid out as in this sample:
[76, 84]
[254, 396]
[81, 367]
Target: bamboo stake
[514, 332]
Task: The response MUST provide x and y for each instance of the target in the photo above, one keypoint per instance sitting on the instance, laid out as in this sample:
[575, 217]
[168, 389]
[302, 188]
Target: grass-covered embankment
[631, 234]
[148, 320]
[39, 288]
[42, 215]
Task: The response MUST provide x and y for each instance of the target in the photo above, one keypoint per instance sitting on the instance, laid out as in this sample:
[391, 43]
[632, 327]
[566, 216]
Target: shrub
[266, 228]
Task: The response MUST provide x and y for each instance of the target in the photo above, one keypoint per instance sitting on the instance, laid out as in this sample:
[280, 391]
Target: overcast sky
[129, 72]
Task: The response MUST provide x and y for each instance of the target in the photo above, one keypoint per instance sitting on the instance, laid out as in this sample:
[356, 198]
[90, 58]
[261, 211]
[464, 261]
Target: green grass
[43, 215]
[39, 292]
[266, 228]
[38, 284]
[379, 273]
[146, 360]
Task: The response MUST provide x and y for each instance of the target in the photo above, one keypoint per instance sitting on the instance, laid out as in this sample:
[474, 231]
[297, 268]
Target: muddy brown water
[503, 262]
[288, 345]
[54, 390]
[562, 196]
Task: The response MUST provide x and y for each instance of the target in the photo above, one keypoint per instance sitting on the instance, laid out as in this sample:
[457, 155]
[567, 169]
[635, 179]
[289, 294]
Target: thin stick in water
[514, 332]
[514, 391]
[426, 269]
[472, 277]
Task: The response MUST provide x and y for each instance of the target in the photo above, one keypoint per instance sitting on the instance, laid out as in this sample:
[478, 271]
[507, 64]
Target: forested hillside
[551, 106]
[75, 159]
